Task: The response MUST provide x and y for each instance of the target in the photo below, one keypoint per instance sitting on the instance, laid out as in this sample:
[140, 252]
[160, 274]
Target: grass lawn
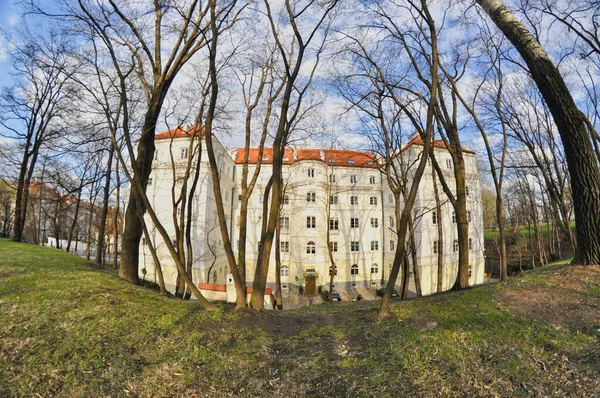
[489, 234]
[69, 330]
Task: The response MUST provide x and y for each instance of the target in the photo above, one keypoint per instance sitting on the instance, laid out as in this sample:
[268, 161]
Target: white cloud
[13, 19]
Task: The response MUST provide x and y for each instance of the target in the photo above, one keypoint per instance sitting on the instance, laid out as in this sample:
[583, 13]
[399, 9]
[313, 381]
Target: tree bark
[440, 234]
[104, 215]
[572, 126]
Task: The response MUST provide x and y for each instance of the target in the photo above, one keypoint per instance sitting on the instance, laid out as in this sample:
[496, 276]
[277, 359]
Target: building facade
[342, 194]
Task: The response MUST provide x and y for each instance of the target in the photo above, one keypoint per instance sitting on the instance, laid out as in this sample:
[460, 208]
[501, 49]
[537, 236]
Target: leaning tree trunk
[572, 126]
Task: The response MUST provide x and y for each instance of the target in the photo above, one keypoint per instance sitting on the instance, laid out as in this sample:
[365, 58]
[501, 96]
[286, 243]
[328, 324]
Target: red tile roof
[339, 157]
[436, 143]
[180, 132]
[334, 157]
[267, 156]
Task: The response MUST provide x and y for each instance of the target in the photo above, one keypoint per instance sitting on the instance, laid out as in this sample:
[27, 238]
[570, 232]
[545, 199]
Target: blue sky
[9, 17]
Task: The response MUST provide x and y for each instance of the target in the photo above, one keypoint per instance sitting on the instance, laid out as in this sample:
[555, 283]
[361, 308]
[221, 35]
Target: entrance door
[311, 284]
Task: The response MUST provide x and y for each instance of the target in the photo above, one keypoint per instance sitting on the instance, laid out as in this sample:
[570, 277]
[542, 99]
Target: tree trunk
[572, 126]
[132, 232]
[440, 234]
[104, 215]
[116, 219]
[413, 256]
[75, 216]
[278, 265]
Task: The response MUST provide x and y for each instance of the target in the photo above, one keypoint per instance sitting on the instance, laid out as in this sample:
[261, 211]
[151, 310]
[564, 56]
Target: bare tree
[573, 126]
[293, 54]
[31, 109]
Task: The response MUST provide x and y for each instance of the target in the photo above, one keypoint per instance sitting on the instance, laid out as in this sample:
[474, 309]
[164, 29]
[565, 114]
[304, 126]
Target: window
[334, 224]
[333, 246]
[333, 200]
[240, 197]
[331, 178]
[436, 247]
[310, 271]
[310, 248]
[214, 276]
[149, 181]
[455, 246]
[467, 190]
[434, 217]
[470, 244]
[374, 245]
[156, 155]
[285, 271]
[354, 223]
[311, 197]
[284, 287]
[354, 200]
[286, 200]
[374, 222]
[449, 163]
[311, 173]
[392, 244]
[284, 222]
[334, 270]
[183, 154]
[285, 247]
[392, 222]
[374, 269]
[469, 216]
[373, 200]
[311, 222]
[390, 198]
[470, 271]
[354, 246]
[372, 180]
[354, 269]
[454, 217]
[352, 179]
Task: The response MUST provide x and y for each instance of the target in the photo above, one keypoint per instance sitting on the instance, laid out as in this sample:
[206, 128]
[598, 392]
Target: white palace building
[361, 221]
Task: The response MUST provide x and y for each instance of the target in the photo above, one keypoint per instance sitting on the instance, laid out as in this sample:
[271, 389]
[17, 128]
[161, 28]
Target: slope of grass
[67, 329]
[522, 230]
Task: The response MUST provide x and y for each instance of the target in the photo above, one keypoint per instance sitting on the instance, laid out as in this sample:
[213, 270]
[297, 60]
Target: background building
[342, 191]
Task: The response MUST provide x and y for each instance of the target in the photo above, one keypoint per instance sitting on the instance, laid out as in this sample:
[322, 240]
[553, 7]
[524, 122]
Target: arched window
[311, 197]
[285, 271]
[374, 269]
[311, 247]
[354, 269]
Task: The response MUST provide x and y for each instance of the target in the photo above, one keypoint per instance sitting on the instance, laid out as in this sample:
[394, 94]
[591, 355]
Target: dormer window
[351, 161]
[286, 159]
[331, 160]
[265, 159]
[370, 163]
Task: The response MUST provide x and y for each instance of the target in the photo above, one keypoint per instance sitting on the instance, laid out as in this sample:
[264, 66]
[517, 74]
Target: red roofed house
[361, 223]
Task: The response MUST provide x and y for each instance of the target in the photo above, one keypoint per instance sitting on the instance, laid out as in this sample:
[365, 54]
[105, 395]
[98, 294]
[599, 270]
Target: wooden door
[311, 284]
